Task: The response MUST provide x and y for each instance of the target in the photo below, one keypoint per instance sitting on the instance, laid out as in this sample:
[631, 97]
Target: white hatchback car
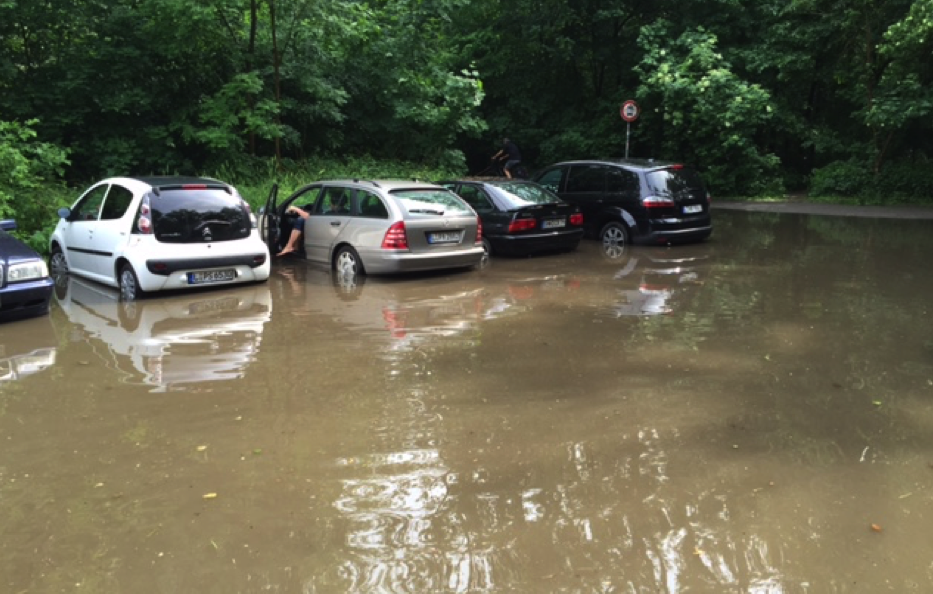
[159, 233]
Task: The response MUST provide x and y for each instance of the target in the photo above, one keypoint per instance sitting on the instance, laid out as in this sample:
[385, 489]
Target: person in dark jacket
[510, 153]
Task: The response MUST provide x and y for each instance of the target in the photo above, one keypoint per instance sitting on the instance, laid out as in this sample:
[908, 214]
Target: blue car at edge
[25, 284]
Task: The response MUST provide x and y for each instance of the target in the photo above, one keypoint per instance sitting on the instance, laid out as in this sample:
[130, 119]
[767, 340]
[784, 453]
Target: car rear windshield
[198, 216]
[431, 202]
[679, 182]
[518, 195]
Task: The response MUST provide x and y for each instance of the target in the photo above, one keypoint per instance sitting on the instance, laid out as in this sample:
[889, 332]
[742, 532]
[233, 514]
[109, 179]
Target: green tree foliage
[696, 97]
[755, 93]
[29, 169]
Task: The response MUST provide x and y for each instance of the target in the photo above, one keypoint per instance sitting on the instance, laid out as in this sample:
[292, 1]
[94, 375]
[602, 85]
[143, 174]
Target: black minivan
[634, 200]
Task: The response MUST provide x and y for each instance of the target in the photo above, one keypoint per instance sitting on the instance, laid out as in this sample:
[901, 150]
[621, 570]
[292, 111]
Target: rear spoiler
[198, 186]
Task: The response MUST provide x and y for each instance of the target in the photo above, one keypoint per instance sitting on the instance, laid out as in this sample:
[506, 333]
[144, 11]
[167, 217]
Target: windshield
[519, 194]
[678, 183]
[198, 215]
[431, 202]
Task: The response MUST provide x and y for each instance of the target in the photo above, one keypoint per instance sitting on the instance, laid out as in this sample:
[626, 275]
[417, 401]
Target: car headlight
[24, 271]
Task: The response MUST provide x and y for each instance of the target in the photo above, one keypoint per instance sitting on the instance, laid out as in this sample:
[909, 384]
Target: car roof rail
[369, 181]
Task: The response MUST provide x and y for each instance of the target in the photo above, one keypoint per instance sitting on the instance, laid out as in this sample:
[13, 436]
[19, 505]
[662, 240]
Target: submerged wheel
[487, 247]
[347, 262]
[129, 284]
[58, 265]
[614, 237]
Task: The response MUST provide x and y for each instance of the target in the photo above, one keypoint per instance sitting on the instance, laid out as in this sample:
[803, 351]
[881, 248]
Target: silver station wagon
[374, 227]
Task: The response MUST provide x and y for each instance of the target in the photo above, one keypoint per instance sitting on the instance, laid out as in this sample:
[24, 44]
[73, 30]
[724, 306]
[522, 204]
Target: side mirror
[262, 210]
[8, 224]
[64, 212]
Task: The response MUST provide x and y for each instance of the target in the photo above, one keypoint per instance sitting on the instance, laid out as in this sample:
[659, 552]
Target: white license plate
[553, 223]
[693, 208]
[444, 237]
[211, 276]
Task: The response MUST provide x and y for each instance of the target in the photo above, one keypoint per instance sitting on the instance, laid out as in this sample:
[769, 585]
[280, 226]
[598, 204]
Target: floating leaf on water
[201, 448]
[876, 402]
[210, 496]
[257, 451]
[876, 528]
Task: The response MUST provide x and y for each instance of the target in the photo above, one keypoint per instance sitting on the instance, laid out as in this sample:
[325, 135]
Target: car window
[587, 178]
[429, 201]
[476, 198]
[336, 201]
[519, 194]
[306, 199]
[196, 215]
[622, 181]
[677, 182]
[371, 206]
[117, 202]
[88, 208]
[551, 179]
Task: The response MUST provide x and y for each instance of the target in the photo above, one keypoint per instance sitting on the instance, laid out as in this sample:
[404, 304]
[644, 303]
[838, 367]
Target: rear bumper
[168, 266]
[178, 279]
[522, 245]
[676, 230]
[389, 262]
[26, 299]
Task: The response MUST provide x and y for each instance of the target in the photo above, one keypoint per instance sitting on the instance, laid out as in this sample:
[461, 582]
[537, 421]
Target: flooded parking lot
[751, 414]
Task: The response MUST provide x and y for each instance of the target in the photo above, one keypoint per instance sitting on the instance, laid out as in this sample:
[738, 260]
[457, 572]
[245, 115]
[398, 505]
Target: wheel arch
[336, 250]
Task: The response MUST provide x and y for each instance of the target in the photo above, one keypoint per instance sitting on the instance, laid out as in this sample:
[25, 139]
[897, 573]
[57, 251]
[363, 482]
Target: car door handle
[335, 223]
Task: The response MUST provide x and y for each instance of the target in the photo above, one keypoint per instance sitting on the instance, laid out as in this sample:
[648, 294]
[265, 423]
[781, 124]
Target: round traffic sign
[629, 111]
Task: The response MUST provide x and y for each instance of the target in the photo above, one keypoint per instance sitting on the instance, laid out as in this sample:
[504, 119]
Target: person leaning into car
[298, 228]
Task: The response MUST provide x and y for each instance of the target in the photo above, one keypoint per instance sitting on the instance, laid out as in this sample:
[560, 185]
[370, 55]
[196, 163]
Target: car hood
[14, 250]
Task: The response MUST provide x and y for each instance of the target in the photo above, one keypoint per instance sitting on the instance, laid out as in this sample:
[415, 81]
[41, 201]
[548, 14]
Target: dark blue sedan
[25, 285]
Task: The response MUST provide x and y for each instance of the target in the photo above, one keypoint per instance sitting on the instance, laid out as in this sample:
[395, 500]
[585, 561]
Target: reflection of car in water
[26, 348]
[170, 341]
[659, 275]
[404, 311]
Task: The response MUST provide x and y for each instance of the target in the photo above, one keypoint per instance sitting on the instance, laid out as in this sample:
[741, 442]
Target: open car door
[269, 221]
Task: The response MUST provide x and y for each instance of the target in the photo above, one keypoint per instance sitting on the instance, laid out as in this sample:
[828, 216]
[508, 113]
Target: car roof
[642, 164]
[161, 181]
[492, 181]
[382, 184]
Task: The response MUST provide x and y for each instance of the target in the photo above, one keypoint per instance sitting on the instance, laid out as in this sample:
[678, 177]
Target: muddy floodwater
[751, 414]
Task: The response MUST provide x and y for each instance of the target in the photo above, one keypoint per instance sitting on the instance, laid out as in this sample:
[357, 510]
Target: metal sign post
[629, 113]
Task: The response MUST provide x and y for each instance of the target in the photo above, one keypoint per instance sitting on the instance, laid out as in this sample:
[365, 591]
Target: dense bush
[30, 190]
[897, 182]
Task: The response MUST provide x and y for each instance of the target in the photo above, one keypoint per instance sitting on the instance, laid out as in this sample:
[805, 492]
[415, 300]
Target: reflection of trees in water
[416, 523]
[185, 224]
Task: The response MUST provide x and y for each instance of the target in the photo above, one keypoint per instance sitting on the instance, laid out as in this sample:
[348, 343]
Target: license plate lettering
[553, 223]
[444, 237]
[693, 208]
[211, 276]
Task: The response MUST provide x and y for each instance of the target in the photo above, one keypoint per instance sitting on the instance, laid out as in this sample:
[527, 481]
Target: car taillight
[194, 186]
[518, 225]
[144, 224]
[576, 219]
[709, 199]
[658, 202]
[479, 231]
[396, 238]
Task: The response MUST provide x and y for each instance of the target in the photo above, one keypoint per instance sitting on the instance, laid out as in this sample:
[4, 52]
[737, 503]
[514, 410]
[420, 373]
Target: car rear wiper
[426, 211]
[216, 222]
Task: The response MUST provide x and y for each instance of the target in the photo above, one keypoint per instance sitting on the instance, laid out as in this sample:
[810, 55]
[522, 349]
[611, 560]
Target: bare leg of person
[292, 242]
